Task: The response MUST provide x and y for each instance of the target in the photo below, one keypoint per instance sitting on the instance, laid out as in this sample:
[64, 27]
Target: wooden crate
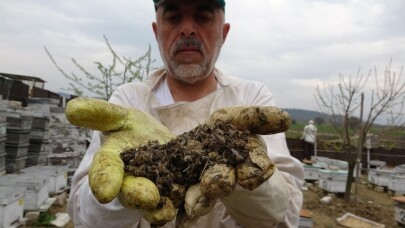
[3, 130]
[40, 123]
[380, 177]
[311, 172]
[11, 205]
[17, 122]
[305, 219]
[57, 176]
[18, 137]
[13, 165]
[399, 209]
[38, 146]
[39, 134]
[396, 184]
[322, 162]
[333, 181]
[16, 151]
[37, 159]
[2, 161]
[376, 164]
[37, 188]
[2, 145]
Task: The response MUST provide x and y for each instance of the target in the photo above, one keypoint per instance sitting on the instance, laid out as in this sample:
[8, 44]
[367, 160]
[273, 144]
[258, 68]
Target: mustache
[187, 42]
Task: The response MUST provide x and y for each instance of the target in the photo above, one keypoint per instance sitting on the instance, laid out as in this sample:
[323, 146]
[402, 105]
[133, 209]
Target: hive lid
[10, 194]
[31, 182]
[52, 169]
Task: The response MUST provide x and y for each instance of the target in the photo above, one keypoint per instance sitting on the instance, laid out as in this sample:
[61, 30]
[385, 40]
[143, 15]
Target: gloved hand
[219, 180]
[263, 120]
[126, 128]
[123, 128]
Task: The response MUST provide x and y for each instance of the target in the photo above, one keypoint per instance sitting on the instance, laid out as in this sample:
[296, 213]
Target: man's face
[190, 35]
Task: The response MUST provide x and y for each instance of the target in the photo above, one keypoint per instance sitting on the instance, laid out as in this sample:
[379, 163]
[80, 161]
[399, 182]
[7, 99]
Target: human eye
[204, 17]
[172, 17]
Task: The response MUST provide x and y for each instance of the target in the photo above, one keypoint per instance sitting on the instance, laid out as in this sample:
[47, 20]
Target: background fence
[393, 157]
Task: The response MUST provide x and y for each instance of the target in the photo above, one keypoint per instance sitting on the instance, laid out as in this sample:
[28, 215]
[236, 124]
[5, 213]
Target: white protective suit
[276, 203]
[309, 133]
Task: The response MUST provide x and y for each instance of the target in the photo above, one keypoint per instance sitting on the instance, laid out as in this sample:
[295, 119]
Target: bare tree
[387, 97]
[120, 71]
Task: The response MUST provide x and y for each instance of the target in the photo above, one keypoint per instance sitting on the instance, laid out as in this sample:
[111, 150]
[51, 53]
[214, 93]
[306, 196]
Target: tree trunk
[351, 161]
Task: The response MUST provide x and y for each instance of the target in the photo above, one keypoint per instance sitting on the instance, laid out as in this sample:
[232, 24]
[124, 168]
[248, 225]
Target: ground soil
[373, 203]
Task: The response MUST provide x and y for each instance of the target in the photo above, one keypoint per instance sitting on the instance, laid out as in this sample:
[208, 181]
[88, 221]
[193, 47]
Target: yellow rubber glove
[126, 128]
[123, 128]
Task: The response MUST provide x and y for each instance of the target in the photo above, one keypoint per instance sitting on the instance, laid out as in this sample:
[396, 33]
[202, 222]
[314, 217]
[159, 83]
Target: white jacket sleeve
[82, 206]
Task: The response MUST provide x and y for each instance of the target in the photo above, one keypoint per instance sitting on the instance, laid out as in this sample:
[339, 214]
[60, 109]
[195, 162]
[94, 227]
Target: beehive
[37, 188]
[333, 181]
[11, 205]
[57, 176]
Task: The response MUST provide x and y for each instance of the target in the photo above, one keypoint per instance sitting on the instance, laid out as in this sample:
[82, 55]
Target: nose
[187, 27]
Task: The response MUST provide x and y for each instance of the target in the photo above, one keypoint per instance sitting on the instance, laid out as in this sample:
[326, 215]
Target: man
[182, 95]
[309, 137]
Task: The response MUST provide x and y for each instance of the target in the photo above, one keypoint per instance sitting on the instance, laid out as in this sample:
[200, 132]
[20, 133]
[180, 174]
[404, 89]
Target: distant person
[309, 137]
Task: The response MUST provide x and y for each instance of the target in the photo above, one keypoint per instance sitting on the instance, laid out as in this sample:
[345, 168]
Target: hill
[301, 115]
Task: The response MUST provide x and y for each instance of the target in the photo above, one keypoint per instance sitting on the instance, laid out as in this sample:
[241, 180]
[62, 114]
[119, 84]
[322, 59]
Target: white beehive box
[57, 176]
[305, 223]
[311, 172]
[400, 169]
[11, 205]
[305, 219]
[339, 163]
[322, 162]
[375, 164]
[333, 181]
[380, 177]
[37, 188]
[399, 209]
[397, 184]
[3, 130]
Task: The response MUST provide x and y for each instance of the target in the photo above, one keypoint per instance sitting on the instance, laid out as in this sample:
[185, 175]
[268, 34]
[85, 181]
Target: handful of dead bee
[159, 173]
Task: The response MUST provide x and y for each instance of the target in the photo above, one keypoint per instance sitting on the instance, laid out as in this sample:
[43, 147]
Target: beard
[190, 73]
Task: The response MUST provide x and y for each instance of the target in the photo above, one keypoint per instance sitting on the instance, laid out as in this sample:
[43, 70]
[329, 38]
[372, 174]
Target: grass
[328, 138]
[295, 131]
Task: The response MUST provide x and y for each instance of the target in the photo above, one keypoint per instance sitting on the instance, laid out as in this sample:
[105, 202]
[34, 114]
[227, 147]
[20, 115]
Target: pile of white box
[30, 189]
[391, 178]
[331, 173]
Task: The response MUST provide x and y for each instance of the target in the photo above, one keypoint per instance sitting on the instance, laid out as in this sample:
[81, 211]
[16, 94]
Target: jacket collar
[158, 75]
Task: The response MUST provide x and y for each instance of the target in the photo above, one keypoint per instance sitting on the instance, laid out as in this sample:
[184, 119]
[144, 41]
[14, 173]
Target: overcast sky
[290, 45]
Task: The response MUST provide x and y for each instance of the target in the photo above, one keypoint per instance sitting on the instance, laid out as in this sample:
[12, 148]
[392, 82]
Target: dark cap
[219, 2]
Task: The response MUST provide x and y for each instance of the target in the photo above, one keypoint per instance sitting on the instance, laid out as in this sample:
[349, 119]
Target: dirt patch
[370, 204]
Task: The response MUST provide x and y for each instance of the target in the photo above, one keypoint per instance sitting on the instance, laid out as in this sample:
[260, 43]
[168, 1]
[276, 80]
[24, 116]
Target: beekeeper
[181, 95]
[309, 138]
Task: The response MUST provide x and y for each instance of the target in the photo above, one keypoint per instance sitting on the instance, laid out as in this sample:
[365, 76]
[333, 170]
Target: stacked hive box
[39, 145]
[68, 143]
[37, 188]
[11, 205]
[3, 134]
[57, 176]
[333, 181]
[39, 148]
[17, 142]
